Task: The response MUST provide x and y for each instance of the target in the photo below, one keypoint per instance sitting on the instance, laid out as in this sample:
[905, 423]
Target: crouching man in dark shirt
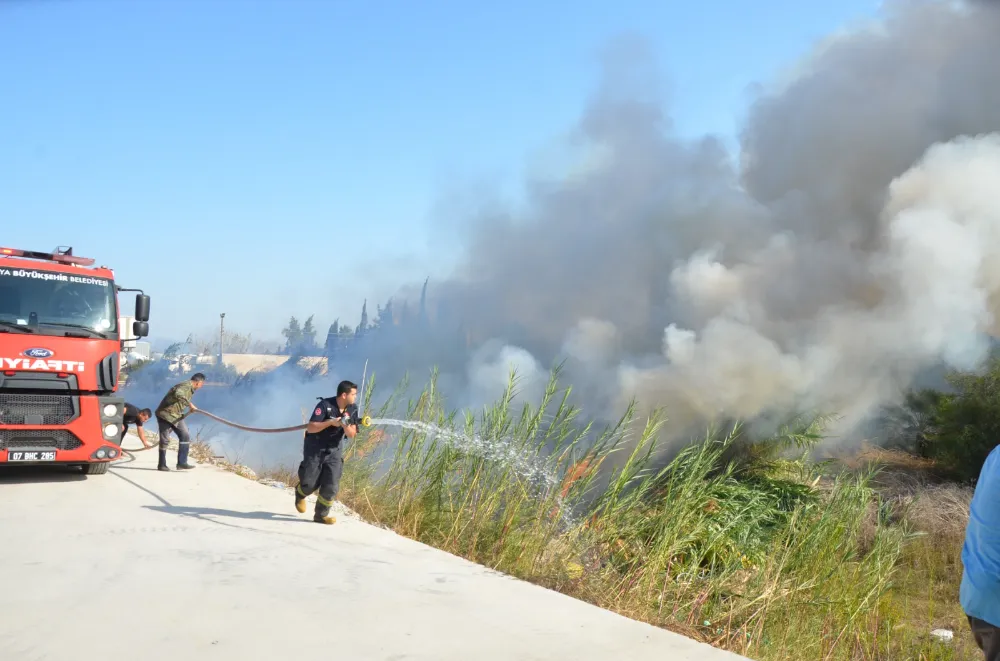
[133, 416]
[322, 450]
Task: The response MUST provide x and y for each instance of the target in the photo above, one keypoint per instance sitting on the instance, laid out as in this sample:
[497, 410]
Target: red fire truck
[60, 348]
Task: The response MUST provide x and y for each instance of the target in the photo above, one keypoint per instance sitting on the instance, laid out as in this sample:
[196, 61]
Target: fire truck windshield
[55, 303]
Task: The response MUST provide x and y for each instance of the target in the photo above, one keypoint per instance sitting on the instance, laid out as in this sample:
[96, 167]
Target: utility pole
[222, 335]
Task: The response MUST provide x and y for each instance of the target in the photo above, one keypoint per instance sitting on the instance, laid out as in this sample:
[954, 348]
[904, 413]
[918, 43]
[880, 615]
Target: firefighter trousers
[987, 637]
[321, 468]
[183, 440]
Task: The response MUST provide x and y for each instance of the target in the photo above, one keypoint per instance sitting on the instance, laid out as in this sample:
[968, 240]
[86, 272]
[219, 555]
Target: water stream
[532, 470]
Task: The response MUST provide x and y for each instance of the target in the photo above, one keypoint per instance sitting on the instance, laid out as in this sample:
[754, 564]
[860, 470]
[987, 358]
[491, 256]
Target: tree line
[301, 337]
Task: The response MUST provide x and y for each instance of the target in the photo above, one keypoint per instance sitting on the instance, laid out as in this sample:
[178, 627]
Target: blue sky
[298, 151]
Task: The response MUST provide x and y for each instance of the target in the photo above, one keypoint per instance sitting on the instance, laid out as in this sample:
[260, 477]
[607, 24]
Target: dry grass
[925, 596]
[202, 451]
[913, 492]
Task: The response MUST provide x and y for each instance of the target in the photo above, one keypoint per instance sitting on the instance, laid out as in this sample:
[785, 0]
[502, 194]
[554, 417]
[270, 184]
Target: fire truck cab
[60, 349]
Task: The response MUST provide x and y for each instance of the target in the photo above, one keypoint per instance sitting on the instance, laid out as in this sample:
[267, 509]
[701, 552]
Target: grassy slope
[768, 557]
[925, 596]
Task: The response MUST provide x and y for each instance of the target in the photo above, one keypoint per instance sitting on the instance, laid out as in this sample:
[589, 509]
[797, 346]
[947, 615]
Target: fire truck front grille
[57, 439]
[19, 409]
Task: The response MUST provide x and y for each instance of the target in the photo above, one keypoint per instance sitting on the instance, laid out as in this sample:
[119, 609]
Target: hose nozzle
[366, 421]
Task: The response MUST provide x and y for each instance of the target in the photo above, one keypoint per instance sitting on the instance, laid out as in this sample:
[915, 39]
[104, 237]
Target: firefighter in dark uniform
[322, 450]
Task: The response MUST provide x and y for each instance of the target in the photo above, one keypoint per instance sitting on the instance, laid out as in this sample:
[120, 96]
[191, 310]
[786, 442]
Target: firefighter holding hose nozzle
[333, 419]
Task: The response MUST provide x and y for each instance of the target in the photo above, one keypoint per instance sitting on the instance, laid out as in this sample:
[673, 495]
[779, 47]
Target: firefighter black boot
[182, 456]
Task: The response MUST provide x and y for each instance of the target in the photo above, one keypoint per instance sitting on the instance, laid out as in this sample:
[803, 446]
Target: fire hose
[366, 421]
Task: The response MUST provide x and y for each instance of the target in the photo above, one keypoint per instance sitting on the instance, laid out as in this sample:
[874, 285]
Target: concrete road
[138, 564]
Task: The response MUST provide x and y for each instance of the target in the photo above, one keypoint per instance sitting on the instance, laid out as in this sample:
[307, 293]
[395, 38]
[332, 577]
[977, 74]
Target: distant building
[241, 363]
[188, 362]
[259, 362]
[140, 351]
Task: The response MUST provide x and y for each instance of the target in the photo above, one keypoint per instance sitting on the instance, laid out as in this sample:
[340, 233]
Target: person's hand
[193, 408]
[147, 444]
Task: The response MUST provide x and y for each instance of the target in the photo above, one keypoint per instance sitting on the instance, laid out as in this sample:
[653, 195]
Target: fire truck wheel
[96, 468]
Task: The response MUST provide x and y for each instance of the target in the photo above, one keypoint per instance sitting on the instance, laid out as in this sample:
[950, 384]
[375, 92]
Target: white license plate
[49, 455]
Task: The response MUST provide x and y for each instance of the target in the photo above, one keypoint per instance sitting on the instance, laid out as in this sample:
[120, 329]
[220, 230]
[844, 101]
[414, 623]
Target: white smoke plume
[852, 247]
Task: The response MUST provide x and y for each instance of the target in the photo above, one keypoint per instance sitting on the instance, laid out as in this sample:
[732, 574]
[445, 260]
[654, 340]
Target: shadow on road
[39, 474]
[206, 513]
[213, 511]
[142, 488]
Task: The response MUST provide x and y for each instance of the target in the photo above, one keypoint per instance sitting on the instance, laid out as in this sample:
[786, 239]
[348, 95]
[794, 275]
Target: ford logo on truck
[38, 353]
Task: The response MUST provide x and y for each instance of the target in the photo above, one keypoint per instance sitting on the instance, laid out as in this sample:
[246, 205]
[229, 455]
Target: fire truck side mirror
[140, 328]
[141, 307]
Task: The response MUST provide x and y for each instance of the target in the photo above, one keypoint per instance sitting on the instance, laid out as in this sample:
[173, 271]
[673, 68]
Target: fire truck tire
[96, 468]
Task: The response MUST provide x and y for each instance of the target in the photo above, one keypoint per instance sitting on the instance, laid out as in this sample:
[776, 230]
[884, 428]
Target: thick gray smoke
[855, 244]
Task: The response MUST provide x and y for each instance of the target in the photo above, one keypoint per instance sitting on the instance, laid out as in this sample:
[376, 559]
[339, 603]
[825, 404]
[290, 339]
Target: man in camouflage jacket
[170, 416]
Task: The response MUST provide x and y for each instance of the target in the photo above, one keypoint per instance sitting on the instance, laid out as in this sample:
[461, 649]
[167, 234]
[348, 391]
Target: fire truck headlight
[110, 430]
[110, 410]
[100, 454]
